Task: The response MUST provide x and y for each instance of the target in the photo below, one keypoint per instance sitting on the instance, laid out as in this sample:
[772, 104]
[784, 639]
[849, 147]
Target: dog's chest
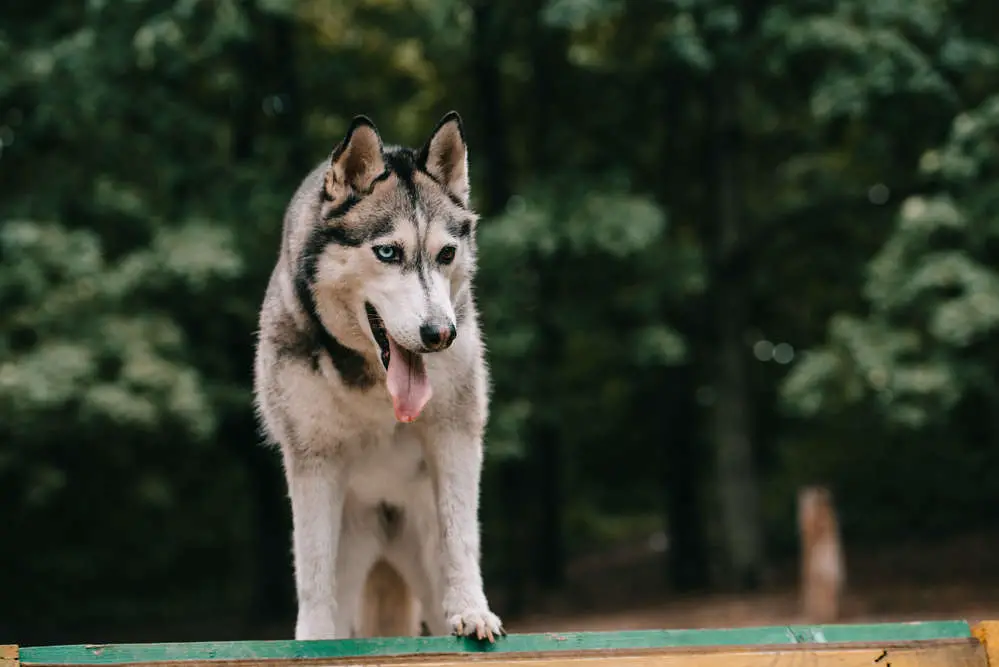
[391, 470]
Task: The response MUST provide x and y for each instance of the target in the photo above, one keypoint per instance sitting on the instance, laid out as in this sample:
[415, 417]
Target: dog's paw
[482, 623]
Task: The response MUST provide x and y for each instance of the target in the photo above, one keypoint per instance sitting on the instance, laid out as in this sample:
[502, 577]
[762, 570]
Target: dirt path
[956, 579]
[776, 609]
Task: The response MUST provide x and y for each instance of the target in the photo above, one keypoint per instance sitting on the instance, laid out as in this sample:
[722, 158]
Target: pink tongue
[407, 383]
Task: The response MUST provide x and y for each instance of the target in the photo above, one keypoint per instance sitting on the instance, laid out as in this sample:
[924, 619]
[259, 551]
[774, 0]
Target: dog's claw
[480, 624]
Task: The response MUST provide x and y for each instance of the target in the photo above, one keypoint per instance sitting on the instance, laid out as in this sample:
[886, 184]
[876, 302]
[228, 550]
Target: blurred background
[728, 248]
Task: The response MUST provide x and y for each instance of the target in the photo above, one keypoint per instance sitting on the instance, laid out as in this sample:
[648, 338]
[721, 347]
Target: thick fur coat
[371, 378]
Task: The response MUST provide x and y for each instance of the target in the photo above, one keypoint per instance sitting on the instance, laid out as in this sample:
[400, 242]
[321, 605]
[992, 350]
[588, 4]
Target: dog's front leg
[457, 469]
[316, 488]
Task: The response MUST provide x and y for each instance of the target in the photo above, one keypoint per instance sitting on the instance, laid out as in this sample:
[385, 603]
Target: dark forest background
[728, 247]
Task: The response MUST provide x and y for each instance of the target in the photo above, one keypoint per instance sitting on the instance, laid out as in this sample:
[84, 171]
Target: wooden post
[822, 563]
[987, 632]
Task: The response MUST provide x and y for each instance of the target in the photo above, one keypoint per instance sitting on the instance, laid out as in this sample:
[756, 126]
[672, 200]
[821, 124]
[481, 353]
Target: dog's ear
[445, 156]
[356, 161]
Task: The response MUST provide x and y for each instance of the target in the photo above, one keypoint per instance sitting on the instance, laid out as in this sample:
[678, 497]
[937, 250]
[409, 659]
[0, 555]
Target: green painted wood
[110, 654]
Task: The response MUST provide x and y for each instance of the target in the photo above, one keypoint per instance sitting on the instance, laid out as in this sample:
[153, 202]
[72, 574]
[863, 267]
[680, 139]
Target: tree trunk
[687, 555]
[266, 62]
[736, 477]
[273, 593]
[546, 445]
[487, 44]
[291, 119]
[681, 461]
[246, 103]
[485, 72]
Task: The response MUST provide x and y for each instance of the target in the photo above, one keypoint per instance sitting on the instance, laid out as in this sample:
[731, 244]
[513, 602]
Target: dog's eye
[388, 253]
[446, 255]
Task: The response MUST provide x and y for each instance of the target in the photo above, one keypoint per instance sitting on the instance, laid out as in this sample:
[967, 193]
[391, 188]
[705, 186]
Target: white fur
[334, 490]
[344, 452]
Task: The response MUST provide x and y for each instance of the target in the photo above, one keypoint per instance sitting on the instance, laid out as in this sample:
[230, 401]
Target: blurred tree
[670, 191]
[921, 359]
[786, 113]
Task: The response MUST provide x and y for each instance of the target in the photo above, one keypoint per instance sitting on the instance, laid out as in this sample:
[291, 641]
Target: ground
[622, 589]
[953, 579]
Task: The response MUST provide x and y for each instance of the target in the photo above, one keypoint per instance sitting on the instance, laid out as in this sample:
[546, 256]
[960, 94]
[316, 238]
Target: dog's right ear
[356, 161]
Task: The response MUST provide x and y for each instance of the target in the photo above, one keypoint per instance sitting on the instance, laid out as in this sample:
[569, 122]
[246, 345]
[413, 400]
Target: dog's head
[399, 246]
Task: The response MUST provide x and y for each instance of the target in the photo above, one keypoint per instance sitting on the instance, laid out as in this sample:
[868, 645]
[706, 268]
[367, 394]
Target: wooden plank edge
[8, 655]
[116, 654]
[966, 652]
[987, 632]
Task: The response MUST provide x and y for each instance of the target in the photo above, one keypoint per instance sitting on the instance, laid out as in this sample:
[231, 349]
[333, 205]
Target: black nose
[437, 337]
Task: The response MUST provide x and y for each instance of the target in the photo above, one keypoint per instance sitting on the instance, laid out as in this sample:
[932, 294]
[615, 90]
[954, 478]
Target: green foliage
[568, 230]
[147, 150]
[578, 13]
[933, 295]
[74, 348]
[880, 50]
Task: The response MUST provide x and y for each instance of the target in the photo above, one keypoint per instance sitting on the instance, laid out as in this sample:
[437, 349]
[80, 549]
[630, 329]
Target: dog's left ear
[445, 156]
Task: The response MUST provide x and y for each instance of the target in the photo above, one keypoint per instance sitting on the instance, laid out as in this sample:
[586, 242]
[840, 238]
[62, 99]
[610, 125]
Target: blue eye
[389, 254]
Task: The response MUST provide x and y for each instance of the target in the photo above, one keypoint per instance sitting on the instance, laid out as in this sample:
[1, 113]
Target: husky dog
[370, 376]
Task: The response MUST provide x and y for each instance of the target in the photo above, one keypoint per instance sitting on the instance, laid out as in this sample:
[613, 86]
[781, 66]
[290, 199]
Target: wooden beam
[968, 652]
[8, 656]
[987, 632]
[755, 644]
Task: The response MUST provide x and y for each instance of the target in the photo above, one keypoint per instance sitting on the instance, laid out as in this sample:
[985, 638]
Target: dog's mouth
[380, 333]
[406, 374]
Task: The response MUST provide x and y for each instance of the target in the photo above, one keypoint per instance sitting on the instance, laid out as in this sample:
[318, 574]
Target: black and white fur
[365, 486]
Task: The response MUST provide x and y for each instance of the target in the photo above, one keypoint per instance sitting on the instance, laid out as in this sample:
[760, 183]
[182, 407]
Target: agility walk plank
[927, 644]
